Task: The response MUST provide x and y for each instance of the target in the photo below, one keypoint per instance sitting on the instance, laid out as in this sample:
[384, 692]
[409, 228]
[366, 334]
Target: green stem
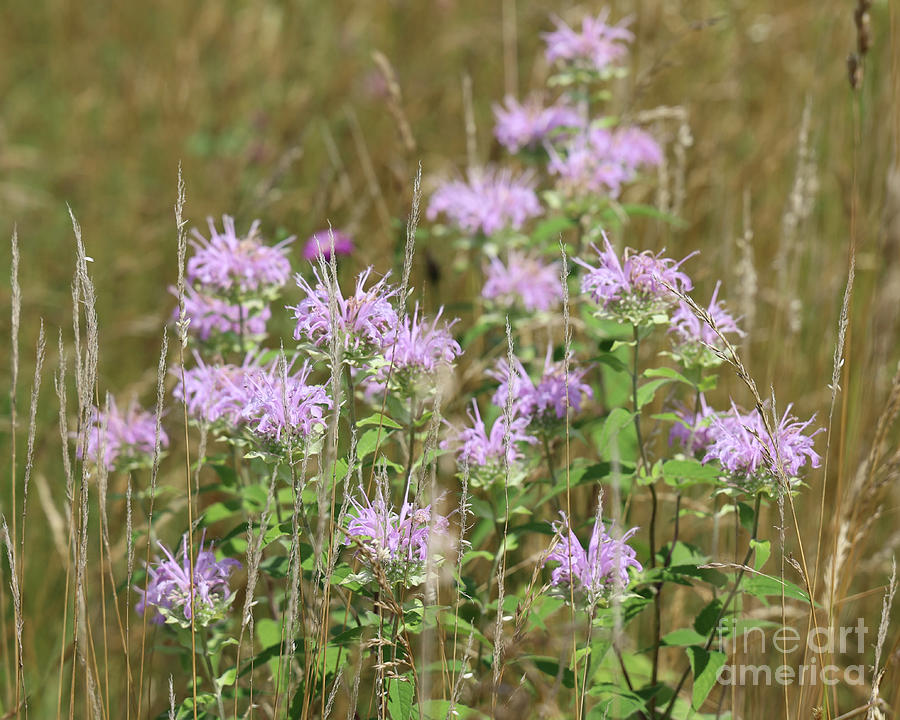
[654, 504]
[207, 665]
[724, 609]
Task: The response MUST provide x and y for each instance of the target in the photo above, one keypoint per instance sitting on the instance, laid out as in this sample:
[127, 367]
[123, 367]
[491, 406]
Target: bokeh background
[280, 110]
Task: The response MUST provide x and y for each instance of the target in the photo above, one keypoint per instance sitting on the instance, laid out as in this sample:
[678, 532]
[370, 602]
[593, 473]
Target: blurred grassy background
[278, 111]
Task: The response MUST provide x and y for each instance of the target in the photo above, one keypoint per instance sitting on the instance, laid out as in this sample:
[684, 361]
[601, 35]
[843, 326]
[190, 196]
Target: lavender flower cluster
[597, 574]
[397, 543]
[179, 590]
[120, 440]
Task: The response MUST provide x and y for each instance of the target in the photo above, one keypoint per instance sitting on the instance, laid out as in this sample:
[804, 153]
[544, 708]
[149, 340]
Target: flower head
[601, 571]
[528, 124]
[216, 394]
[397, 541]
[281, 407]
[364, 322]
[742, 446]
[694, 431]
[595, 48]
[600, 161]
[419, 349]
[119, 439]
[633, 289]
[491, 200]
[548, 399]
[488, 455]
[229, 265]
[210, 316]
[693, 338]
[321, 242]
[169, 587]
[525, 280]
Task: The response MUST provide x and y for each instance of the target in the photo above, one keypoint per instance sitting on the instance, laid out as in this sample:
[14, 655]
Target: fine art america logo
[808, 660]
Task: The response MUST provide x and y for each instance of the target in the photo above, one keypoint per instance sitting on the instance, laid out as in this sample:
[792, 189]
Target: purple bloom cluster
[600, 161]
[693, 337]
[229, 265]
[216, 394]
[547, 400]
[633, 289]
[694, 431]
[321, 242]
[364, 322]
[118, 439]
[528, 124]
[525, 280]
[169, 587]
[398, 542]
[487, 454]
[210, 316]
[492, 200]
[599, 572]
[596, 47]
[273, 403]
[744, 449]
[420, 347]
[281, 406]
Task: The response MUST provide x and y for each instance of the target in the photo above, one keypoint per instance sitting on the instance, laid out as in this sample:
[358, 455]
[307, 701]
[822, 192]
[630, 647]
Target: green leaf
[227, 678]
[682, 473]
[647, 391]
[616, 421]
[369, 440]
[683, 636]
[705, 666]
[400, 698]
[615, 702]
[706, 619]
[762, 586]
[379, 419]
[763, 550]
[669, 373]
[550, 666]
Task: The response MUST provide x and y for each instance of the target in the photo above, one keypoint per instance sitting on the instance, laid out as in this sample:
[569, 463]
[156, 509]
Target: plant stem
[207, 665]
[654, 502]
[724, 609]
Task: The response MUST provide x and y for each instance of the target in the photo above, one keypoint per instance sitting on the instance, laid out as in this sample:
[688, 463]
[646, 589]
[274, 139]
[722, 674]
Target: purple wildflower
[600, 161]
[632, 289]
[169, 587]
[398, 542]
[420, 348]
[320, 242]
[121, 438]
[694, 431]
[596, 47]
[744, 449]
[216, 394]
[526, 125]
[488, 455]
[492, 200]
[210, 315]
[546, 400]
[601, 571]
[230, 265]
[365, 321]
[525, 280]
[281, 407]
[693, 338]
